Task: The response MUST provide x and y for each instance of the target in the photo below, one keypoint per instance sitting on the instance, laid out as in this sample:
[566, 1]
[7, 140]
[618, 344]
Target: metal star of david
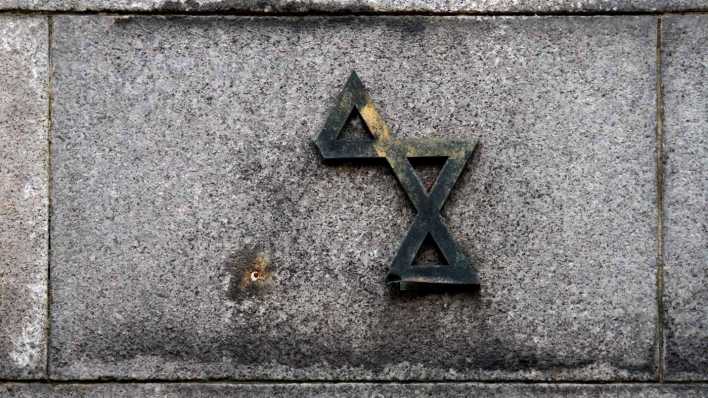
[428, 223]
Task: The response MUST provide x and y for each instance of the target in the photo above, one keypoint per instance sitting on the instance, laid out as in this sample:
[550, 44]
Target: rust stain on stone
[256, 273]
[250, 273]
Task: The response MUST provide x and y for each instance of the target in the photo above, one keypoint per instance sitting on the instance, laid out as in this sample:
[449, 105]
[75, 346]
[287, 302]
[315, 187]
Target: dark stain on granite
[250, 347]
[250, 273]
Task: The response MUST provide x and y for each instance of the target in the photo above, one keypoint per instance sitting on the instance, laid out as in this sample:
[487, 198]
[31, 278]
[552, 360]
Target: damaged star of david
[428, 225]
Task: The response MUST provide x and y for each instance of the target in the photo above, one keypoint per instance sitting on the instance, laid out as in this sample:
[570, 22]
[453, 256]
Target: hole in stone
[429, 253]
[427, 169]
[355, 128]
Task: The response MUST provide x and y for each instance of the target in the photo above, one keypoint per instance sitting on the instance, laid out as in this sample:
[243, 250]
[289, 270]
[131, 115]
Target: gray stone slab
[368, 6]
[23, 196]
[685, 82]
[183, 162]
[343, 390]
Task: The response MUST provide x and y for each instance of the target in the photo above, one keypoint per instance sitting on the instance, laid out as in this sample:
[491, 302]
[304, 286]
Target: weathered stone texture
[23, 196]
[685, 80]
[183, 162]
[269, 6]
[344, 390]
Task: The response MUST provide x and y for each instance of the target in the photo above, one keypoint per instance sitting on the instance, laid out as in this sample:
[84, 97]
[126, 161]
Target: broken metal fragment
[428, 224]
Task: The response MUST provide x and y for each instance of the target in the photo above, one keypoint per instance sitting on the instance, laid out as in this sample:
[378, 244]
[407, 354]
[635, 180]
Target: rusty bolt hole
[255, 275]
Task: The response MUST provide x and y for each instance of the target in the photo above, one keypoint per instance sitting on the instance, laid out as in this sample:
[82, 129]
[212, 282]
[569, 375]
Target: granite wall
[167, 227]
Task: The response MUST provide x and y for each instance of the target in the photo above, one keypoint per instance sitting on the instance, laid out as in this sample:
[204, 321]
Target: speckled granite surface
[23, 196]
[183, 161]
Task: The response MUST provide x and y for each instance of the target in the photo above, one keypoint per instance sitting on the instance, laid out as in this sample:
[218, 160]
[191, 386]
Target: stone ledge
[358, 390]
[370, 6]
